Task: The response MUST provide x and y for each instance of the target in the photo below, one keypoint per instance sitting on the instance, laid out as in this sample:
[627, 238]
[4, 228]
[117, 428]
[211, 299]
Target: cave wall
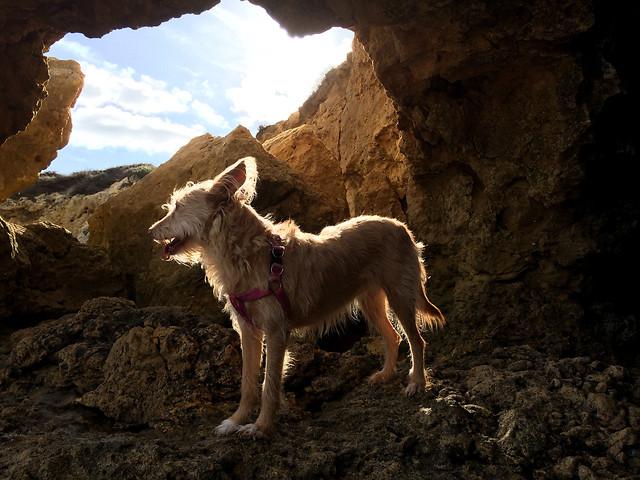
[518, 122]
[29, 27]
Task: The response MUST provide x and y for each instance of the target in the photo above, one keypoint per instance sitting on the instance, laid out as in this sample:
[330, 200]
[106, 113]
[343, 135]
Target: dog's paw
[250, 430]
[414, 388]
[227, 427]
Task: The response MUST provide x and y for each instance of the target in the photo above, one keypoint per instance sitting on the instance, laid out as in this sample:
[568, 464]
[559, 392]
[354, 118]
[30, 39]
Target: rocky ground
[117, 391]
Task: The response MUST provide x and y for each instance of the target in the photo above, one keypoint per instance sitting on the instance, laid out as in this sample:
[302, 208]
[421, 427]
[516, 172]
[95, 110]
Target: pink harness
[275, 286]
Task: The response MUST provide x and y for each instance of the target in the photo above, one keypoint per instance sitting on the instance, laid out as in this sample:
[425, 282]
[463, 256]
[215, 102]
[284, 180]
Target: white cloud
[278, 72]
[108, 126]
[230, 65]
[145, 96]
[117, 110]
[208, 115]
[68, 47]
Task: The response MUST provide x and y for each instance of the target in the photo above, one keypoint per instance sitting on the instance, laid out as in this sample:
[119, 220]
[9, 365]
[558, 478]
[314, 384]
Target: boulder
[26, 153]
[120, 224]
[47, 273]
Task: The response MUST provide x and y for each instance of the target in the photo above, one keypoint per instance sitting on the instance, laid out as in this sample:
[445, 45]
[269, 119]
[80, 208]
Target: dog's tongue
[169, 247]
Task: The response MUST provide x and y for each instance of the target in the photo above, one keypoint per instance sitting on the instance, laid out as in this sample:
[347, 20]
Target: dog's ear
[242, 176]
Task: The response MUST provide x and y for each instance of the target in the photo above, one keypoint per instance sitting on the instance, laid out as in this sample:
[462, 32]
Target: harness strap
[275, 286]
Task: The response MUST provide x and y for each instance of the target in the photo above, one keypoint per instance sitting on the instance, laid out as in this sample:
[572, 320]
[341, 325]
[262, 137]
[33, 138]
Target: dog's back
[327, 272]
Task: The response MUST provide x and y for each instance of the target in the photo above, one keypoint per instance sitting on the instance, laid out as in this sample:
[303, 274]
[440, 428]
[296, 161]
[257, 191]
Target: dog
[274, 279]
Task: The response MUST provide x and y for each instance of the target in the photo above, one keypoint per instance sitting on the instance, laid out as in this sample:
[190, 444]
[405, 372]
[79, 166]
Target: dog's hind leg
[405, 310]
[374, 306]
[276, 342]
[251, 343]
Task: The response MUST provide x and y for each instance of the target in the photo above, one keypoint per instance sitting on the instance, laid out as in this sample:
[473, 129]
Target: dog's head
[192, 209]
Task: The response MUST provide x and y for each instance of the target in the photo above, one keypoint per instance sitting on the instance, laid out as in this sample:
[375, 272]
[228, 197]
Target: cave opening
[147, 92]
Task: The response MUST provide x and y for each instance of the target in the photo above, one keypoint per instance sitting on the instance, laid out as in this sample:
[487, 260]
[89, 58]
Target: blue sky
[147, 92]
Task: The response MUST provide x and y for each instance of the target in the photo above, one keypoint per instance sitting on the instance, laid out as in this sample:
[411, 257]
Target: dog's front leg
[276, 342]
[251, 343]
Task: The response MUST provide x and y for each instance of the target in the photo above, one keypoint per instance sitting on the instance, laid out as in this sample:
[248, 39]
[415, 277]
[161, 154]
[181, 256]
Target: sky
[147, 92]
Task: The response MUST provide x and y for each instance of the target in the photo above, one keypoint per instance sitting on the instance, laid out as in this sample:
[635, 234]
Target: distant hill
[82, 183]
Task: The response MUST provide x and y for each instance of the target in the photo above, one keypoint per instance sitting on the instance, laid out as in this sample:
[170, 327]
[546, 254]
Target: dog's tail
[429, 316]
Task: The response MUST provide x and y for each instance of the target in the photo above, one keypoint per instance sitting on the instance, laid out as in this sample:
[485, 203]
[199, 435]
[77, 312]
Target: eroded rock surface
[45, 272]
[117, 390]
[70, 200]
[352, 123]
[25, 154]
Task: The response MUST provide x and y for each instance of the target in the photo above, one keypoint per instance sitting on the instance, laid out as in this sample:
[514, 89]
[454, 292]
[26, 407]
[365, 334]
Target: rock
[121, 391]
[25, 154]
[46, 273]
[155, 372]
[71, 213]
[120, 224]
[506, 139]
[302, 150]
[351, 118]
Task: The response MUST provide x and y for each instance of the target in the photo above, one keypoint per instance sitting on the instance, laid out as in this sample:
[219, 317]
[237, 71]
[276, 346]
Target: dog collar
[275, 285]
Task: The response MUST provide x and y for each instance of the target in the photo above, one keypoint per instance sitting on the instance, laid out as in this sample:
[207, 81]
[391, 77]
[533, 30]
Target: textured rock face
[25, 154]
[46, 273]
[509, 117]
[72, 213]
[496, 121]
[158, 379]
[121, 223]
[355, 121]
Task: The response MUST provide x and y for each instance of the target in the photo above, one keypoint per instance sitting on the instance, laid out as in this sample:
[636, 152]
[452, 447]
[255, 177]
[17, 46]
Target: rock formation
[506, 137]
[351, 118]
[70, 200]
[117, 391]
[25, 154]
[46, 273]
[120, 224]
[508, 115]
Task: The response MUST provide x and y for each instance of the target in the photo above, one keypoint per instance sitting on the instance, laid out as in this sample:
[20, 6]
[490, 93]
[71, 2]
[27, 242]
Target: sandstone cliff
[24, 155]
[351, 123]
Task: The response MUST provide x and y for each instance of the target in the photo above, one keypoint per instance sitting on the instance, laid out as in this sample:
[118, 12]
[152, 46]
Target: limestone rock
[305, 153]
[354, 119]
[46, 273]
[121, 223]
[513, 119]
[25, 154]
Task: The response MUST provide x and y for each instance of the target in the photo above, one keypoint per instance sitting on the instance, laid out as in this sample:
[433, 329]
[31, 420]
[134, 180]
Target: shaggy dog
[276, 278]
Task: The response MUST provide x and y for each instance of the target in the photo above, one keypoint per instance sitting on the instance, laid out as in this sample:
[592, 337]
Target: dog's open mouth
[171, 246]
